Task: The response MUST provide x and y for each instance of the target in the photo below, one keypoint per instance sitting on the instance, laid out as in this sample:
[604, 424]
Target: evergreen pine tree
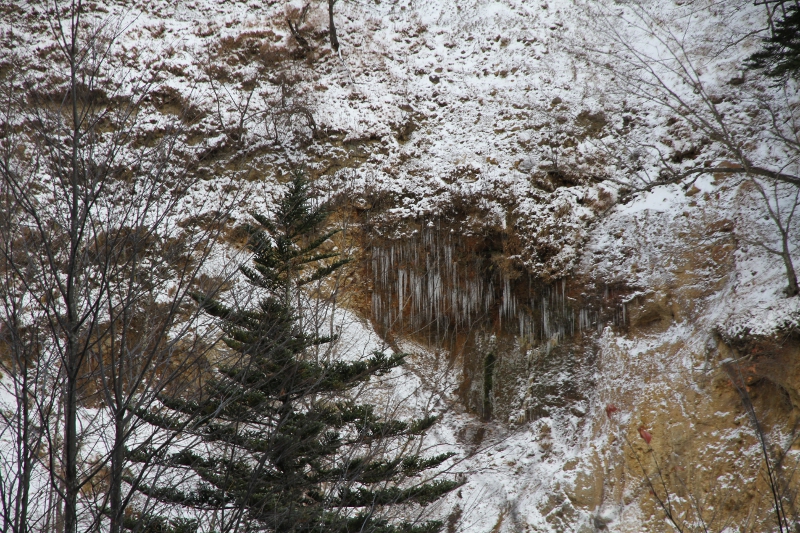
[780, 57]
[284, 447]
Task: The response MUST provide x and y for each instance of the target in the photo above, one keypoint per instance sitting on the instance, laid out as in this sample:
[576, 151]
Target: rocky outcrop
[624, 379]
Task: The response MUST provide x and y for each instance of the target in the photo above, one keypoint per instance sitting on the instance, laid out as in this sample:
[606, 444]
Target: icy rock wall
[634, 384]
[436, 281]
[458, 293]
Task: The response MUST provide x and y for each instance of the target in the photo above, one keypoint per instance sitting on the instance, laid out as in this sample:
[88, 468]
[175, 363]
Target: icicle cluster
[433, 283]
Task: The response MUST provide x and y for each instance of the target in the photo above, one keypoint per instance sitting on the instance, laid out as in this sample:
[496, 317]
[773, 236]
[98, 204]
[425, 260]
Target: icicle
[505, 306]
[572, 323]
[545, 322]
[401, 275]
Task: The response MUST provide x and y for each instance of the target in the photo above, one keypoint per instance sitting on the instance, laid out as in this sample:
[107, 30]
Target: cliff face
[603, 359]
[647, 385]
[676, 372]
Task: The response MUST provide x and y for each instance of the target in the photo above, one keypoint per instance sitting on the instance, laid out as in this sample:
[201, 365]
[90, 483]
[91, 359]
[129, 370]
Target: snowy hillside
[599, 195]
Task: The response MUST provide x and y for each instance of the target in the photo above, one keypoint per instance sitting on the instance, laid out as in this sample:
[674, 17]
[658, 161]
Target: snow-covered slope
[582, 133]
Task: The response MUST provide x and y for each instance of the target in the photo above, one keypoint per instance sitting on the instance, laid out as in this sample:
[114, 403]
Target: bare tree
[99, 265]
[260, 103]
[741, 126]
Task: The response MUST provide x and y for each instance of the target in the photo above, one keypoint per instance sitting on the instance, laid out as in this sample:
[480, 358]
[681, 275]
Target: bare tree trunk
[782, 217]
[17, 470]
[70, 451]
[791, 275]
[332, 27]
[117, 466]
[77, 228]
[24, 457]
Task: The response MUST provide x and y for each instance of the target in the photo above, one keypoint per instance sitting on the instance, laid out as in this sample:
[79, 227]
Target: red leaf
[611, 409]
[645, 434]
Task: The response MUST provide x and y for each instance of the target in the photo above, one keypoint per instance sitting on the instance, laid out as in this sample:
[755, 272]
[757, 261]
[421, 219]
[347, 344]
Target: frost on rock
[487, 151]
[766, 320]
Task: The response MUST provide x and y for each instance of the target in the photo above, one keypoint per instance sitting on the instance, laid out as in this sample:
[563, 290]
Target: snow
[514, 87]
[659, 199]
